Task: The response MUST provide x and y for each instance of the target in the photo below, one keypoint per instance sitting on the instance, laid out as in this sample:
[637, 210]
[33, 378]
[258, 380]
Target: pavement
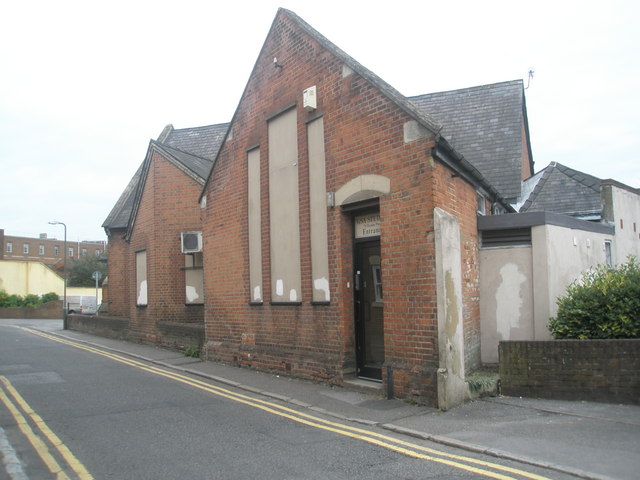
[588, 440]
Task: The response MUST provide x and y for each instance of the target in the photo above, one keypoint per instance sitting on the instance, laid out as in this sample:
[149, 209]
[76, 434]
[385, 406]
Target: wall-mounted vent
[506, 238]
[191, 242]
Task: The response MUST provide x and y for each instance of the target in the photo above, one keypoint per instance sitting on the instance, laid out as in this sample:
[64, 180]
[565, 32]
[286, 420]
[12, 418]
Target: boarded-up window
[193, 278]
[284, 208]
[255, 231]
[141, 278]
[318, 212]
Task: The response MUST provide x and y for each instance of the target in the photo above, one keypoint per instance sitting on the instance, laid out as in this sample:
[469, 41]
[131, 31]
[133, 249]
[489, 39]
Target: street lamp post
[64, 275]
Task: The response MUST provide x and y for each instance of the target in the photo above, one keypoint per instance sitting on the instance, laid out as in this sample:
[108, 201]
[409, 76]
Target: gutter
[445, 153]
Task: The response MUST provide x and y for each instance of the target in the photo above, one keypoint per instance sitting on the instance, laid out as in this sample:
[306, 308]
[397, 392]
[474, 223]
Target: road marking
[384, 441]
[40, 446]
[11, 462]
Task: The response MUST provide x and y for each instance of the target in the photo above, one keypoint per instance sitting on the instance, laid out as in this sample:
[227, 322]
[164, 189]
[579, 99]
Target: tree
[81, 271]
[604, 304]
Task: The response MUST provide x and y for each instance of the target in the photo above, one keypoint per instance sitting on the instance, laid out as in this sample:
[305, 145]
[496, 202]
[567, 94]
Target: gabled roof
[196, 162]
[455, 159]
[485, 124]
[561, 189]
[194, 166]
[118, 218]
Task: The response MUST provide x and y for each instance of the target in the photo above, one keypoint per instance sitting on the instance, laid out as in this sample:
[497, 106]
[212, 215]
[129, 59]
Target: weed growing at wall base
[605, 303]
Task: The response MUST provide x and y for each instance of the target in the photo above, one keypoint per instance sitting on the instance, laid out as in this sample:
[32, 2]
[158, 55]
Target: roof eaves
[139, 189]
[170, 154]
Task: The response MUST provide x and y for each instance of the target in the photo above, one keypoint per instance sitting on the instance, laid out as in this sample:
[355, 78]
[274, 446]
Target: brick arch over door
[363, 187]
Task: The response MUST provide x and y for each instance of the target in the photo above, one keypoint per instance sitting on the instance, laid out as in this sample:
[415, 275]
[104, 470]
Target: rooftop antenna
[529, 77]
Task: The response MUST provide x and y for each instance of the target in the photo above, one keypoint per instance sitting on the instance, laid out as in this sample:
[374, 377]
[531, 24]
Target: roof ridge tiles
[472, 89]
[221, 125]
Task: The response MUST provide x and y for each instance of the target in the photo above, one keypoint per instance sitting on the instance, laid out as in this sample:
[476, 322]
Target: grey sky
[85, 85]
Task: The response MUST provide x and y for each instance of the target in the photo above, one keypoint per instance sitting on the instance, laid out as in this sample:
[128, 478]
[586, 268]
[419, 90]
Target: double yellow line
[479, 467]
[18, 408]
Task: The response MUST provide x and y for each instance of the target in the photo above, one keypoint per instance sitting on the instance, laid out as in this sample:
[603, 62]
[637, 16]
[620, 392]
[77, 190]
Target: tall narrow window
[377, 282]
[607, 253]
[56, 251]
[9, 247]
[482, 204]
[25, 248]
[255, 219]
[318, 212]
[70, 252]
[193, 279]
[40, 249]
[284, 208]
[141, 278]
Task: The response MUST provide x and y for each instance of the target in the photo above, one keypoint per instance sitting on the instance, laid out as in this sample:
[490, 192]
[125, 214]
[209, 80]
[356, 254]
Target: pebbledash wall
[590, 370]
[377, 158]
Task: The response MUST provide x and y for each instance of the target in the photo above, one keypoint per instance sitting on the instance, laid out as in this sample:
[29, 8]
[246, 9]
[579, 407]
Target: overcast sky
[84, 85]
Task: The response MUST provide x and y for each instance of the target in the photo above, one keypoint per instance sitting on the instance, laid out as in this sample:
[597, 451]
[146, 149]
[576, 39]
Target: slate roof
[119, 216]
[192, 150]
[484, 124]
[200, 141]
[561, 189]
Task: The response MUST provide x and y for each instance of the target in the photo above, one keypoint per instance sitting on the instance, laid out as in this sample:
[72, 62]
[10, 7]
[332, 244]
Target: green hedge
[29, 300]
[605, 303]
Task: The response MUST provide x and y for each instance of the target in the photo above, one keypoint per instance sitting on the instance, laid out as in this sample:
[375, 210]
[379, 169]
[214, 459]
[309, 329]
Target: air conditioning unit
[191, 242]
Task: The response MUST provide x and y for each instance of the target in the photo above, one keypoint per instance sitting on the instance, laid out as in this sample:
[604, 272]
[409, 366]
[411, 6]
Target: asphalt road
[106, 416]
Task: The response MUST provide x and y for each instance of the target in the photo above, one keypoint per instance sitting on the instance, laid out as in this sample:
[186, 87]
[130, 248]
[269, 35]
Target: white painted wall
[506, 299]
[519, 286]
[626, 207]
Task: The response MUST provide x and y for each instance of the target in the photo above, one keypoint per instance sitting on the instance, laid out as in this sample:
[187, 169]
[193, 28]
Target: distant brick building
[340, 227]
[49, 251]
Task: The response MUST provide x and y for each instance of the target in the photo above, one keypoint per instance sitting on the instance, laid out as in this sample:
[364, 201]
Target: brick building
[340, 226]
[154, 277]
[49, 251]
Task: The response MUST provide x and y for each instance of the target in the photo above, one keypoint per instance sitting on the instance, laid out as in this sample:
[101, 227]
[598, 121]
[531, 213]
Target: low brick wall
[178, 336]
[592, 370]
[109, 327]
[181, 336]
[49, 310]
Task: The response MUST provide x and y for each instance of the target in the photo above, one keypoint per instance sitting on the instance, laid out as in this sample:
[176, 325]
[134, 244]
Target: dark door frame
[364, 295]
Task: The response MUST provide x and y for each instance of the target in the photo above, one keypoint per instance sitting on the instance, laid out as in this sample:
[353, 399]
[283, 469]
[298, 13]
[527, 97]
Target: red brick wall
[169, 205]
[118, 273]
[593, 370]
[363, 135]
